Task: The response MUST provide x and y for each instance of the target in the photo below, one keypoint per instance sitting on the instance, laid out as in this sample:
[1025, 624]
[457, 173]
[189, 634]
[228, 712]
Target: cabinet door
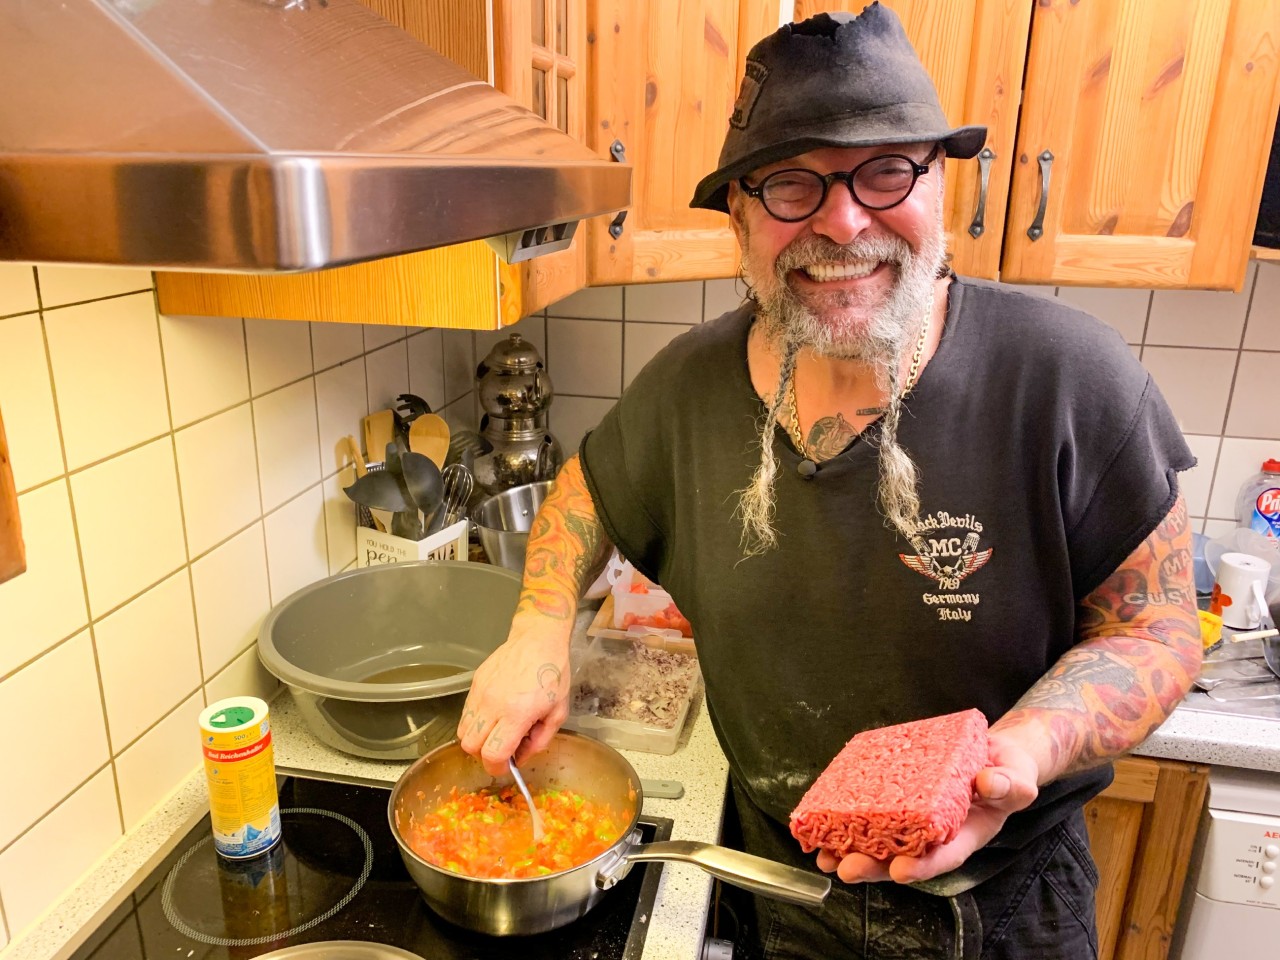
[1144, 137]
[539, 61]
[663, 85]
[974, 50]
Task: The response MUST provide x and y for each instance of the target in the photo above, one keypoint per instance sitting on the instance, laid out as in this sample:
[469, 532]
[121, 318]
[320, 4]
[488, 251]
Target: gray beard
[878, 341]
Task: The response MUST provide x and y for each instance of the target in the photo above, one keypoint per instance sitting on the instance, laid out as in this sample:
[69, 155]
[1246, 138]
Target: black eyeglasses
[877, 184]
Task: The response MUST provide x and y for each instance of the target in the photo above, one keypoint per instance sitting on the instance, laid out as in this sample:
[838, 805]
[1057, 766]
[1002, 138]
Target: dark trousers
[1040, 906]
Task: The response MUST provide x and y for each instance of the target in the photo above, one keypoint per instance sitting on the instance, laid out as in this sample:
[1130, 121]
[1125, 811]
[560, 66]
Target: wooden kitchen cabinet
[532, 50]
[1141, 831]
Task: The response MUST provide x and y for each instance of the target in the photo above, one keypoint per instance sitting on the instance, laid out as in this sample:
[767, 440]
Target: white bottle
[1258, 505]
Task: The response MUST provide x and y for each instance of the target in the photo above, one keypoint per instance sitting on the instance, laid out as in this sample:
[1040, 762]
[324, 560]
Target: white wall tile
[17, 288]
[1217, 528]
[594, 303]
[387, 371]
[1198, 318]
[572, 417]
[380, 334]
[463, 413]
[1196, 482]
[46, 604]
[641, 341]
[244, 677]
[297, 554]
[1238, 461]
[279, 353]
[722, 296]
[1123, 310]
[40, 866]
[664, 302]
[1196, 383]
[1253, 399]
[426, 367]
[205, 365]
[218, 476]
[585, 357]
[231, 598]
[341, 405]
[335, 342]
[161, 759]
[129, 522]
[340, 520]
[1262, 332]
[460, 366]
[49, 762]
[26, 401]
[108, 376]
[63, 284]
[532, 329]
[288, 445]
[148, 658]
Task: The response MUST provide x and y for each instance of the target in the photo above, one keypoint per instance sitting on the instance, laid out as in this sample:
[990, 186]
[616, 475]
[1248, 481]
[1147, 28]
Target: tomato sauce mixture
[488, 833]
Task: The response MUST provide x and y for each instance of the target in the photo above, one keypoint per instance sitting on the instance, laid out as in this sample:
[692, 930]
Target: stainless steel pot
[503, 521]
[535, 905]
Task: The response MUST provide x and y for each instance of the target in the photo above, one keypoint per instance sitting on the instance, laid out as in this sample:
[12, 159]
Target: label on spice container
[240, 768]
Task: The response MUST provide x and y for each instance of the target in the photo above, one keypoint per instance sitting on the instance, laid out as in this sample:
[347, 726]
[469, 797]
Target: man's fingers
[860, 868]
[827, 861]
[1003, 789]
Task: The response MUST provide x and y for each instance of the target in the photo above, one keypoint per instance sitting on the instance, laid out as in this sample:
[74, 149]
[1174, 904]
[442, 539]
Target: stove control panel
[1241, 859]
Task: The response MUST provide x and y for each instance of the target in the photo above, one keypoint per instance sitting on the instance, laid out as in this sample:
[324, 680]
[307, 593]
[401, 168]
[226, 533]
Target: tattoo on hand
[549, 680]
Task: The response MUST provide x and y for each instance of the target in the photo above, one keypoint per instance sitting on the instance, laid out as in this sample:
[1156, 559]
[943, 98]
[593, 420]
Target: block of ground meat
[895, 790]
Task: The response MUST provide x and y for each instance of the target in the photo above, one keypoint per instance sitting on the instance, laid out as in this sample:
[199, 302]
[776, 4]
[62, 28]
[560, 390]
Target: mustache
[812, 248]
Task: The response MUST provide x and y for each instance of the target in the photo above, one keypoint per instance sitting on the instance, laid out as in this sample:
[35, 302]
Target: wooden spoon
[379, 430]
[429, 436]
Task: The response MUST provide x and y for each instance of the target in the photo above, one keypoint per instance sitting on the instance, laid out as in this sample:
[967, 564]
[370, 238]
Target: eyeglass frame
[918, 170]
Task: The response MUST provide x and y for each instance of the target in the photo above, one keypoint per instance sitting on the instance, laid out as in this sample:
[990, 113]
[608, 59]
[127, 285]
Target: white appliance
[1231, 903]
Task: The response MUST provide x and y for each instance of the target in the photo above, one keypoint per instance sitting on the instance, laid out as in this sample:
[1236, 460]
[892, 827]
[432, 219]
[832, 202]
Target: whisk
[458, 484]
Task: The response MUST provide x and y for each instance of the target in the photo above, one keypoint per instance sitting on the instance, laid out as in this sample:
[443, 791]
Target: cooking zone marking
[171, 913]
[946, 551]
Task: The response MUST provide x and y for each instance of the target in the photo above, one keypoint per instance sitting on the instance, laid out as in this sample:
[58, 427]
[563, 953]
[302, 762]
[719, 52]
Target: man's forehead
[841, 158]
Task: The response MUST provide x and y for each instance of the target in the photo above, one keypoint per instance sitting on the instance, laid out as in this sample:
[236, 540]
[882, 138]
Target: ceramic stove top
[337, 875]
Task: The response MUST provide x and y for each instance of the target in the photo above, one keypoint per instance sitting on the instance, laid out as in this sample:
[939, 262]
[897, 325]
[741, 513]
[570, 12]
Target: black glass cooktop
[337, 875]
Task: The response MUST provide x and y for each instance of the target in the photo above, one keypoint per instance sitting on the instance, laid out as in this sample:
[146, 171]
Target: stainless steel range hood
[265, 135]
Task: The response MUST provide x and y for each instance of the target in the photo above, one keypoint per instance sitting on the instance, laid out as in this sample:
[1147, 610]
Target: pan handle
[765, 877]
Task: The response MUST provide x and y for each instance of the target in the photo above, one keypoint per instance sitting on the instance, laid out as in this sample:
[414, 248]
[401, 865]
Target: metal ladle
[538, 830]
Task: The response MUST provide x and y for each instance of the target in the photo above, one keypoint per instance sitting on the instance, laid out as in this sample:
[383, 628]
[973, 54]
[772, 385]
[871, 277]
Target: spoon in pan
[538, 830]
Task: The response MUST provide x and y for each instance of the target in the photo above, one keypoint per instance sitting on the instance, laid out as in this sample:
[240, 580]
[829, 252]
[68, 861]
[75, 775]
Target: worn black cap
[834, 80]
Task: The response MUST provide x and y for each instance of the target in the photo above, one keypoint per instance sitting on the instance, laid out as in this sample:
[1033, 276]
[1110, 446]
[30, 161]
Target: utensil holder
[375, 547]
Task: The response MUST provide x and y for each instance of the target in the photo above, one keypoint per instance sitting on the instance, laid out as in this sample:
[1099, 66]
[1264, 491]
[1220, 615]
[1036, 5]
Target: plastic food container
[633, 694]
[639, 602]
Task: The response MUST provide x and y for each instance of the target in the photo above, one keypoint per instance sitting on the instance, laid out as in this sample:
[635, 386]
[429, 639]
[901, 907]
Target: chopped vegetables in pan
[488, 833]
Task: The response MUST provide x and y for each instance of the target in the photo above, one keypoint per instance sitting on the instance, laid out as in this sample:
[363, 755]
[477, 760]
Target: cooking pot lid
[341, 950]
[515, 354]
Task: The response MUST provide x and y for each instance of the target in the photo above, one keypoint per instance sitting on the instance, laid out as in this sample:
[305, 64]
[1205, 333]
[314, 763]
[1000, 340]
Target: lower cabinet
[1141, 830]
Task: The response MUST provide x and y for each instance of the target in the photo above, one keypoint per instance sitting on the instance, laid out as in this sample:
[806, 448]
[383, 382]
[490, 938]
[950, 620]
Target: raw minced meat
[636, 682]
[895, 790]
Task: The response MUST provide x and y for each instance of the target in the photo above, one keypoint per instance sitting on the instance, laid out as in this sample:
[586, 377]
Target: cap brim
[712, 192]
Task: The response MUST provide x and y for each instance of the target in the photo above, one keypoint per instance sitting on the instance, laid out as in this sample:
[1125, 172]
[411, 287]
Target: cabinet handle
[619, 154]
[1036, 230]
[977, 228]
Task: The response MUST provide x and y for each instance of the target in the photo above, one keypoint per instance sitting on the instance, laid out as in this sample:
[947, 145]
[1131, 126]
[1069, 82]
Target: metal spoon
[538, 830]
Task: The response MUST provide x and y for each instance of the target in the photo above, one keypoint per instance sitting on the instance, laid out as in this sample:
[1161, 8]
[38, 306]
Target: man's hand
[521, 691]
[1006, 786]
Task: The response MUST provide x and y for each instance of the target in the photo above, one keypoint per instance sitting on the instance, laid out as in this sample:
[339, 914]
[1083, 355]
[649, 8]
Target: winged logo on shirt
[946, 561]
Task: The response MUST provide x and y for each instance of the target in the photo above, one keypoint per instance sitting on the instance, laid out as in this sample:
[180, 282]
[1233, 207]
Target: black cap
[834, 80]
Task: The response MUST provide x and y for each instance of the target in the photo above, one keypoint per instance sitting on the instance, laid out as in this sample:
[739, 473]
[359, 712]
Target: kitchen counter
[677, 924]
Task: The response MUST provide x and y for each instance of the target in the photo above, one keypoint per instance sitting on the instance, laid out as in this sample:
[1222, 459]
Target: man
[881, 493]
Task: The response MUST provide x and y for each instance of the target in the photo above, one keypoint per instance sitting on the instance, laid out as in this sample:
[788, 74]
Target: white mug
[1235, 598]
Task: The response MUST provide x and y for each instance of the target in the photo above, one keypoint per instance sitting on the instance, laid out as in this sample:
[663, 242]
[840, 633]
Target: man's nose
[841, 218]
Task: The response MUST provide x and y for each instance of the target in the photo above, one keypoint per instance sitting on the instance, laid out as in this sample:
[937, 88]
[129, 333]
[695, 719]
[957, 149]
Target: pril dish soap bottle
[1258, 504]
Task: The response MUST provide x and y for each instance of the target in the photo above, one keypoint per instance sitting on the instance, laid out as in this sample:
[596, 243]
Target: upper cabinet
[535, 52]
[1119, 133]
[1146, 129]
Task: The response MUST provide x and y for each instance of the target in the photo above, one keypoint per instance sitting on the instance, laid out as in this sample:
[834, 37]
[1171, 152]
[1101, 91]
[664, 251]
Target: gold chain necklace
[793, 418]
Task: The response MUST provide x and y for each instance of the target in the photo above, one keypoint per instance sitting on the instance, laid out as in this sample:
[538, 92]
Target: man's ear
[737, 210]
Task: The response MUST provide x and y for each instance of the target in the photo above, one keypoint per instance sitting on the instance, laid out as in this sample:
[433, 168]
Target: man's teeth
[840, 271]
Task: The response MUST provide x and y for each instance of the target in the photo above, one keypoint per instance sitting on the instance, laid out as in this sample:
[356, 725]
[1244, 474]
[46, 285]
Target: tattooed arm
[522, 689]
[1138, 652]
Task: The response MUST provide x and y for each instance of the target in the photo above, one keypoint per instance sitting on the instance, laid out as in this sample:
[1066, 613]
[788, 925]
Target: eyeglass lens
[878, 184]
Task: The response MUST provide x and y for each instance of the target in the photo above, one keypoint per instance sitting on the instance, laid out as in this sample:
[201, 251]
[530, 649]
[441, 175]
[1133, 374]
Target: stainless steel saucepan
[600, 774]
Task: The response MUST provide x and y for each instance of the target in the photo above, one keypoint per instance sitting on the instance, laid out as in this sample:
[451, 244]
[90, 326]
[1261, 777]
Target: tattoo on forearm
[566, 542]
[1140, 650]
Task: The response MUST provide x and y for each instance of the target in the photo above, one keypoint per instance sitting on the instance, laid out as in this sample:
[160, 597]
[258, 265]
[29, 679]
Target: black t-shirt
[1046, 455]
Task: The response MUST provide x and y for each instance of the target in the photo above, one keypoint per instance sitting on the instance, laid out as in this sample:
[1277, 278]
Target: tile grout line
[109, 296]
[1231, 390]
[315, 409]
[84, 578]
[257, 466]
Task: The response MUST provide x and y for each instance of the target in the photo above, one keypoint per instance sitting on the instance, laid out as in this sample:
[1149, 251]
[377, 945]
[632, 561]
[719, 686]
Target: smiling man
[881, 492]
